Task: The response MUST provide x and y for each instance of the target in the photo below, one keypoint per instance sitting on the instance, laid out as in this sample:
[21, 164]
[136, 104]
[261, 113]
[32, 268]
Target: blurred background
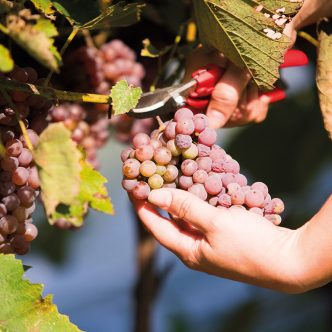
[92, 271]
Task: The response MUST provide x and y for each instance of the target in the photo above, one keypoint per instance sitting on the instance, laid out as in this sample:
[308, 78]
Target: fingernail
[216, 118]
[160, 197]
[265, 99]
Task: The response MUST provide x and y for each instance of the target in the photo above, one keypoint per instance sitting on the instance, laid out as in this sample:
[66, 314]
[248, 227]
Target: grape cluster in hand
[19, 182]
[185, 155]
[97, 70]
[90, 134]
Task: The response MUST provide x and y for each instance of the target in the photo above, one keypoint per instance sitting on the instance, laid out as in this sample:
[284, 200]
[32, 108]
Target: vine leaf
[290, 8]
[6, 61]
[59, 165]
[36, 39]
[23, 307]
[236, 29]
[151, 51]
[324, 73]
[118, 15]
[44, 6]
[92, 194]
[124, 97]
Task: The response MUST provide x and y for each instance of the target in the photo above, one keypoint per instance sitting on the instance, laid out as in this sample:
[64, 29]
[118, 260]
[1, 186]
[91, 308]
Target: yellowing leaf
[35, 40]
[324, 73]
[6, 61]
[236, 29]
[124, 97]
[23, 308]
[286, 6]
[59, 165]
[45, 6]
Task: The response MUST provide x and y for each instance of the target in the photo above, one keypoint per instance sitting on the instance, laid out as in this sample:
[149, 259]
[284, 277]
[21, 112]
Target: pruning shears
[197, 92]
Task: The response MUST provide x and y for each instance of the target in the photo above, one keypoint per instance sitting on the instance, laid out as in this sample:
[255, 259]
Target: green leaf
[151, 51]
[93, 194]
[93, 190]
[124, 97]
[324, 73]
[59, 165]
[23, 307]
[118, 15]
[6, 61]
[36, 40]
[236, 29]
[44, 6]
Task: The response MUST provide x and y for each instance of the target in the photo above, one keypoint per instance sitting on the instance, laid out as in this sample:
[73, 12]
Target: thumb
[185, 206]
[226, 95]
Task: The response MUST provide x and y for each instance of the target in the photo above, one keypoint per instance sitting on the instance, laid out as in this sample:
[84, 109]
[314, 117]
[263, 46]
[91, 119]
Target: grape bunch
[185, 155]
[88, 134]
[19, 182]
[97, 70]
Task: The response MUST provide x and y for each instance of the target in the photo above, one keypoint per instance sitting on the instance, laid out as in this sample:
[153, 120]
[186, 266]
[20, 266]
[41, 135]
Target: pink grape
[203, 150]
[171, 173]
[217, 154]
[214, 200]
[162, 156]
[200, 176]
[9, 163]
[225, 200]
[185, 182]
[183, 141]
[201, 121]
[141, 190]
[25, 158]
[213, 185]
[129, 184]
[260, 186]
[207, 137]
[33, 179]
[204, 163]
[14, 147]
[8, 224]
[237, 197]
[20, 176]
[183, 113]
[241, 180]
[26, 195]
[228, 178]
[189, 167]
[254, 198]
[125, 154]
[141, 139]
[31, 232]
[144, 152]
[148, 168]
[233, 187]
[231, 166]
[170, 132]
[185, 126]
[273, 206]
[130, 168]
[198, 190]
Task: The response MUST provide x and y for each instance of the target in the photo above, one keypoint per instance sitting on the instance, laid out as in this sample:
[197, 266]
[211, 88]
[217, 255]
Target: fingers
[166, 232]
[226, 95]
[185, 206]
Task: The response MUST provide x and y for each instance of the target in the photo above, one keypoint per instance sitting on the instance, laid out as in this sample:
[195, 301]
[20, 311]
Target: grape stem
[20, 122]
[161, 124]
[308, 38]
[54, 94]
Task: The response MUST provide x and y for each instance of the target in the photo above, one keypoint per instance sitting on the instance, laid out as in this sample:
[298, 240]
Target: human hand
[232, 243]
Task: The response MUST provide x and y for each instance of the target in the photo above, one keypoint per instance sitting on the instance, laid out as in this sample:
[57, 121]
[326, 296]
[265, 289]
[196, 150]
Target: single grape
[183, 141]
[141, 190]
[225, 200]
[129, 184]
[31, 232]
[185, 126]
[273, 206]
[228, 178]
[204, 163]
[156, 181]
[217, 154]
[190, 153]
[125, 154]
[241, 180]
[201, 121]
[11, 202]
[9, 163]
[254, 198]
[162, 156]
[8, 224]
[20, 176]
[144, 152]
[170, 132]
[26, 195]
[141, 139]
[200, 176]
[238, 197]
[148, 168]
[183, 113]
[33, 179]
[161, 170]
[189, 167]
[198, 190]
[130, 168]
[203, 150]
[233, 187]
[171, 146]
[218, 165]
[214, 200]
[207, 137]
[33, 137]
[171, 173]
[25, 158]
[185, 182]
[231, 166]
[213, 185]
[260, 186]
